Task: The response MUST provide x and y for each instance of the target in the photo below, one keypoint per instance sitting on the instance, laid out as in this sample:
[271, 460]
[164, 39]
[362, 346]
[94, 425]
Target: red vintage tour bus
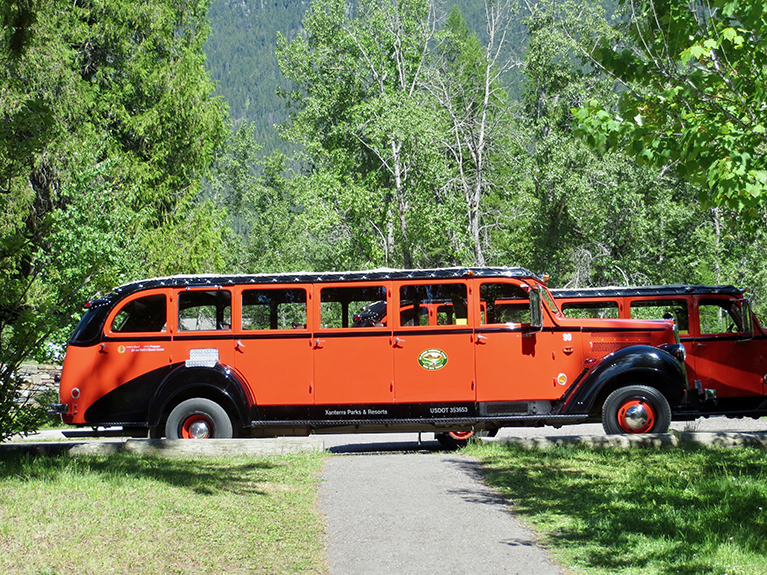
[451, 351]
[726, 346]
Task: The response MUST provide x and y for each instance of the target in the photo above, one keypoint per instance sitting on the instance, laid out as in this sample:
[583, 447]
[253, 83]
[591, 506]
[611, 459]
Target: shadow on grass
[669, 511]
[202, 476]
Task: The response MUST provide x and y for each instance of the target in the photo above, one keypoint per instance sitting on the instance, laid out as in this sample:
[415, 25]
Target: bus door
[203, 327]
[351, 344]
[273, 345]
[515, 361]
[678, 309]
[727, 356]
[433, 349]
[136, 345]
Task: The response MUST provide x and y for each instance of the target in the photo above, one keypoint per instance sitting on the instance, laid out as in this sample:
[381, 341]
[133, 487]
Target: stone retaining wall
[38, 379]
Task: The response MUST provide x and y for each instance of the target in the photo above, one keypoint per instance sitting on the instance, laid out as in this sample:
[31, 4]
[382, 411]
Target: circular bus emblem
[432, 359]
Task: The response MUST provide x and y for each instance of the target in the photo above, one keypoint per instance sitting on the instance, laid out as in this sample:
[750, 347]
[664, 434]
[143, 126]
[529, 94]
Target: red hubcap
[461, 435]
[196, 427]
[636, 416]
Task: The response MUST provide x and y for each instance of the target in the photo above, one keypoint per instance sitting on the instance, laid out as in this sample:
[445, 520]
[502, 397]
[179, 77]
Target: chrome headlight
[675, 349]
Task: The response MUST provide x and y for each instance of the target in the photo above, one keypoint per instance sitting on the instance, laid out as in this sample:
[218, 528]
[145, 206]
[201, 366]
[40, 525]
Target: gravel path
[421, 513]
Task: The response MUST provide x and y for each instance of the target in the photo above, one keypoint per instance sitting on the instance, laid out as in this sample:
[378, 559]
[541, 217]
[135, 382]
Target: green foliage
[241, 59]
[361, 109]
[693, 78]
[407, 124]
[469, 88]
[272, 228]
[106, 129]
[416, 156]
[593, 217]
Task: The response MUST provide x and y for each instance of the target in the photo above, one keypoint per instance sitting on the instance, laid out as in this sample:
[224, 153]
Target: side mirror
[536, 310]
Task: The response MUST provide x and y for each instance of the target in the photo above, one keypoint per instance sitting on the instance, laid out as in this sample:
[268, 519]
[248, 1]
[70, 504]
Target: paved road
[421, 513]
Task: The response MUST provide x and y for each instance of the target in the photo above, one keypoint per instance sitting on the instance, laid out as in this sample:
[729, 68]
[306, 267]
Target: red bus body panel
[384, 349]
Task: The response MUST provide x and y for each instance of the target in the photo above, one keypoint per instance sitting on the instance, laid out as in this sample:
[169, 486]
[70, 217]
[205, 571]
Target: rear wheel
[198, 418]
[455, 439]
[636, 409]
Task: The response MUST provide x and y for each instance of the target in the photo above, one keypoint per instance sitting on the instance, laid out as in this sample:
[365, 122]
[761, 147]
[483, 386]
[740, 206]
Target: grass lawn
[128, 514]
[680, 511]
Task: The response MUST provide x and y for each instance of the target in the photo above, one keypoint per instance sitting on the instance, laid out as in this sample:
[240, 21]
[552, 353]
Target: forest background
[602, 143]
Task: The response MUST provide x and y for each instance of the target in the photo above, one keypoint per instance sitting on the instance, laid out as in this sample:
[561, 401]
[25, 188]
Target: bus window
[204, 310]
[719, 316]
[434, 304]
[675, 309]
[504, 303]
[363, 306]
[597, 310]
[371, 315]
[411, 314]
[273, 309]
[145, 314]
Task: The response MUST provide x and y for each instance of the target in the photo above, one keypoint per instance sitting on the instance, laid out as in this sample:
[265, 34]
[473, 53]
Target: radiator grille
[616, 342]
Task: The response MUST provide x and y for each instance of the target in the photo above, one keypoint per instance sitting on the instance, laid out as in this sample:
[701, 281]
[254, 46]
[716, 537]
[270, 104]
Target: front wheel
[198, 418]
[636, 409]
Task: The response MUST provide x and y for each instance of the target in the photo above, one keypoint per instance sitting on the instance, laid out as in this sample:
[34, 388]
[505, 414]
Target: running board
[504, 421]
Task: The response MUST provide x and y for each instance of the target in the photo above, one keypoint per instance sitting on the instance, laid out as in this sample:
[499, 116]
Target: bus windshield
[550, 300]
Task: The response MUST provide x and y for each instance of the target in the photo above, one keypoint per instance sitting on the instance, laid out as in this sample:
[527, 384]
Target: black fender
[642, 364]
[218, 383]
